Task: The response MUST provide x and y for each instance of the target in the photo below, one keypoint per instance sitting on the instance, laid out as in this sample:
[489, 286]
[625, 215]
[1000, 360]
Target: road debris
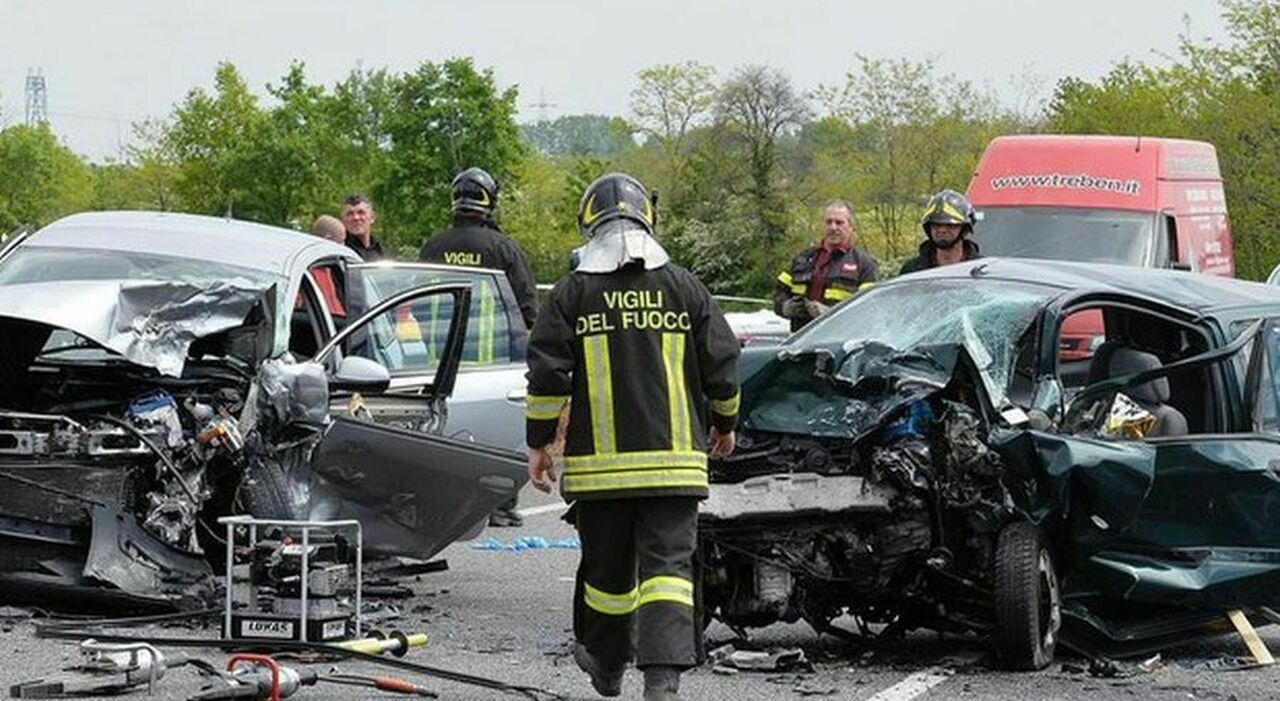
[528, 543]
[779, 660]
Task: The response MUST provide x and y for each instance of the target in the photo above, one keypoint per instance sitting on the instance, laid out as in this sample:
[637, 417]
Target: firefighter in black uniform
[475, 241]
[947, 223]
[829, 273]
[639, 350]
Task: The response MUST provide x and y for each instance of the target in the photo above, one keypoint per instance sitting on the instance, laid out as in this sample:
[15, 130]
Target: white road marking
[544, 509]
[915, 685]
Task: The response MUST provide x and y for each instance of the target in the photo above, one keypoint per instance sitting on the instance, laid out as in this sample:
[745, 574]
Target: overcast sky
[108, 63]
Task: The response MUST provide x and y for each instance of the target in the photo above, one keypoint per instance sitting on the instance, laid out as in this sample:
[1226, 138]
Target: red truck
[1129, 200]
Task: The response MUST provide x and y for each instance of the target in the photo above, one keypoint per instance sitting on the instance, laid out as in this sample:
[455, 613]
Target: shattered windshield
[987, 317]
[31, 264]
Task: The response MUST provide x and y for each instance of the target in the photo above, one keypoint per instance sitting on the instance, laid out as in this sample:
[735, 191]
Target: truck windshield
[1066, 233]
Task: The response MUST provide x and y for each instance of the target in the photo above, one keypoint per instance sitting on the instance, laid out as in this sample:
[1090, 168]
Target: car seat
[1152, 395]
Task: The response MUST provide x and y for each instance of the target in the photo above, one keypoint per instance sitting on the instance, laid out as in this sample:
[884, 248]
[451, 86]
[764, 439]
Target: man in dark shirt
[358, 217]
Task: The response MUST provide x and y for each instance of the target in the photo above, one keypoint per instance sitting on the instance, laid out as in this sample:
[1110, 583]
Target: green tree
[40, 178]
[210, 139]
[756, 108]
[445, 117]
[668, 103]
[579, 135]
[921, 132]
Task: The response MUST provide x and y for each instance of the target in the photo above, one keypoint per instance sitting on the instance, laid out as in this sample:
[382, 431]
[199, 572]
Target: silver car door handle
[517, 395]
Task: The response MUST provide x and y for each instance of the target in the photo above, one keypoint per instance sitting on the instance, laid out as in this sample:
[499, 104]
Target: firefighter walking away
[637, 348]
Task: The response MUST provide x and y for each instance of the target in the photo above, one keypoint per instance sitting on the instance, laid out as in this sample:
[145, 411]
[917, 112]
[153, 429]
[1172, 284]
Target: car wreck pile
[114, 472]
[896, 521]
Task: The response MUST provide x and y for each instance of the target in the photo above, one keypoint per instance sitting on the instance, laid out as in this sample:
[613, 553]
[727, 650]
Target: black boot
[505, 516]
[607, 682]
[662, 683]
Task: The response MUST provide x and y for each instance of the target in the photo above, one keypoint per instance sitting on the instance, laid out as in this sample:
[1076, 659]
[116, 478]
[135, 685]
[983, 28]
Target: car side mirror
[356, 374]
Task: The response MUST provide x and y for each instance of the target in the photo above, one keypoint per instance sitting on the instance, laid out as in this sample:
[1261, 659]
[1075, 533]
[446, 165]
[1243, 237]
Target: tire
[1028, 602]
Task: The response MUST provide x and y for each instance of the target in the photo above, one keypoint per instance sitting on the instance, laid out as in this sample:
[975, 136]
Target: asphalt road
[506, 615]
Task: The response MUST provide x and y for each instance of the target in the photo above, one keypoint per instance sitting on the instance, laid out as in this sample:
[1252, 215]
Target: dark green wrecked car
[928, 455]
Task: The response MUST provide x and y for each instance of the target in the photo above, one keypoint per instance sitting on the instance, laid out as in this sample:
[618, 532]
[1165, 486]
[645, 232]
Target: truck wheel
[1028, 602]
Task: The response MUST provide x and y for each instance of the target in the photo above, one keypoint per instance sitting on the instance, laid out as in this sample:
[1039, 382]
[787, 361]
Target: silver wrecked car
[159, 370]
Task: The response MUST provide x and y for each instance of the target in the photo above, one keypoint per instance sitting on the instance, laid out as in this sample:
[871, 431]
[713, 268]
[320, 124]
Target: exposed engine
[170, 448]
[878, 529]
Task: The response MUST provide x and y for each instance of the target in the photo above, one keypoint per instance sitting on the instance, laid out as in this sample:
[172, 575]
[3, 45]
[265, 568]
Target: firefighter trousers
[636, 579]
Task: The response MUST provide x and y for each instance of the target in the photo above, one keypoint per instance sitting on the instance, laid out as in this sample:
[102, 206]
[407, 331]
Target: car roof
[1192, 291]
[259, 247]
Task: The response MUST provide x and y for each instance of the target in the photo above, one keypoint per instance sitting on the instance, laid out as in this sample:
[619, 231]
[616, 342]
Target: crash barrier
[99, 631]
[292, 573]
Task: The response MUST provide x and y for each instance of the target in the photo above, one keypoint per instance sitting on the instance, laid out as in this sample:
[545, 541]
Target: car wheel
[1027, 599]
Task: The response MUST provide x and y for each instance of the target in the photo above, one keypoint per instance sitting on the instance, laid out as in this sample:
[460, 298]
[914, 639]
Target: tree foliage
[40, 179]
[743, 163]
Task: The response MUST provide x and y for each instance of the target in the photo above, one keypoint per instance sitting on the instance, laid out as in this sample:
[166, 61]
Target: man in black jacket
[829, 273]
[475, 240]
[637, 348]
[947, 223]
[358, 217]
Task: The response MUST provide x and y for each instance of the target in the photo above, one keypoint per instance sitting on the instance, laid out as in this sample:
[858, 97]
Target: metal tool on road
[256, 677]
[388, 684]
[397, 644]
[105, 669]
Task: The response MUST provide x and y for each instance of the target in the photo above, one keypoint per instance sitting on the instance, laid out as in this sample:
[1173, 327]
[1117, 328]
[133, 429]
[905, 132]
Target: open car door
[1207, 534]
[413, 491]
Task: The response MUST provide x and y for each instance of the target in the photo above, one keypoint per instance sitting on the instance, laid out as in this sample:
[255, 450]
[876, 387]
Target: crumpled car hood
[806, 394]
[151, 324]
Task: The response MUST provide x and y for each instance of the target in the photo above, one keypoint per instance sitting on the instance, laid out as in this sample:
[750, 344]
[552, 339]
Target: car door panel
[1208, 532]
[413, 493]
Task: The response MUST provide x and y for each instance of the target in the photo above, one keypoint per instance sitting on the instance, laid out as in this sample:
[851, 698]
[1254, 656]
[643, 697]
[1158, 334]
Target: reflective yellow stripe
[677, 392]
[866, 286]
[432, 352]
[600, 393]
[610, 604]
[486, 326]
[543, 407]
[796, 288]
[726, 407]
[638, 460]
[634, 479]
[952, 211]
[837, 294]
[665, 588]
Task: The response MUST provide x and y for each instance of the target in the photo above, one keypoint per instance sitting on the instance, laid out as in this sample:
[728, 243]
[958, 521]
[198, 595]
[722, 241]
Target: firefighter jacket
[476, 243]
[926, 259]
[845, 271]
[644, 358]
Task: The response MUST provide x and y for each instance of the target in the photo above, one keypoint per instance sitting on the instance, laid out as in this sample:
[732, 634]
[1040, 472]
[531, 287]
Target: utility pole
[541, 105]
[37, 98]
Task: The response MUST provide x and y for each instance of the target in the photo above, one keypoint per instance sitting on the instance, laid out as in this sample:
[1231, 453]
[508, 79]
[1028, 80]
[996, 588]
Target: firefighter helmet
[614, 196]
[474, 190]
